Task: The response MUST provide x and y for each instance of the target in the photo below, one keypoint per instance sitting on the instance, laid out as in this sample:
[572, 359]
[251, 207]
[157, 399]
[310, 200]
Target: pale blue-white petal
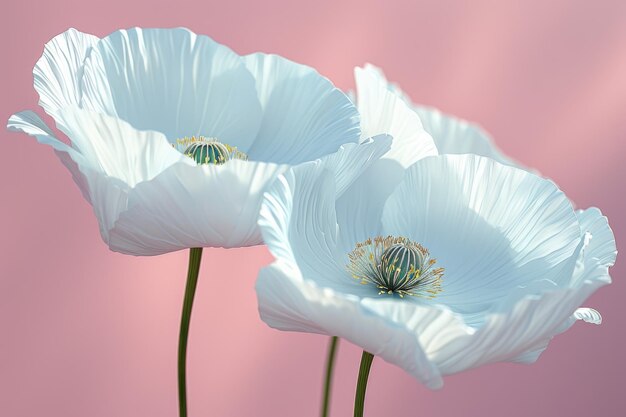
[115, 148]
[359, 209]
[477, 206]
[451, 135]
[519, 334]
[304, 115]
[175, 82]
[289, 302]
[457, 136]
[382, 111]
[427, 340]
[352, 159]
[29, 122]
[588, 315]
[107, 195]
[194, 206]
[58, 72]
[492, 227]
[600, 252]
[109, 198]
[391, 86]
[597, 254]
[298, 223]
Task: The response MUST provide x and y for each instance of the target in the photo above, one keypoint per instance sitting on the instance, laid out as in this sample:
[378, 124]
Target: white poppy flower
[451, 135]
[484, 263]
[137, 103]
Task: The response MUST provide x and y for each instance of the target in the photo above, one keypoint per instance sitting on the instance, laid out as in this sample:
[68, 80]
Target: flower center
[396, 265]
[208, 150]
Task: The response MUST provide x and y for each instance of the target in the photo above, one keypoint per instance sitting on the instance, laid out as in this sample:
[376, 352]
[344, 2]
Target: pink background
[88, 332]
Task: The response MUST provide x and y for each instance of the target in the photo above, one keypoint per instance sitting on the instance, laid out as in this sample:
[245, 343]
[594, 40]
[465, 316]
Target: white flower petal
[588, 315]
[287, 302]
[29, 122]
[359, 209]
[505, 236]
[600, 252]
[391, 86]
[349, 162]
[174, 82]
[59, 70]
[508, 336]
[298, 223]
[304, 116]
[451, 135]
[457, 136]
[519, 334]
[492, 227]
[115, 148]
[427, 340]
[107, 195]
[596, 256]
[282, 304]
[382, 111]
[109, 198]
[194, 206]
[554, 311]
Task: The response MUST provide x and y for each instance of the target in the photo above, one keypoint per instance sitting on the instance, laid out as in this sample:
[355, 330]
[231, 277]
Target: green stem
[361, 386]
[195, 256]
[330, 363]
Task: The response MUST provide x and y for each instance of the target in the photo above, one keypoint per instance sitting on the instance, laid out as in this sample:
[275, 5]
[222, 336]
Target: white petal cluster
[451, 135]
[124, 101]
[518, 259]
[514, 259]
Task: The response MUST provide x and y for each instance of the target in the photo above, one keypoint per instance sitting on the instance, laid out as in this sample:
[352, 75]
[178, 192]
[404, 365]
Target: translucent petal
[298, 222]
[304, 115]
[59, 70]
[588, 315]
[600, 252]
[288, 302]
[597, 254]
[107, 194]
[515, 234]
[29, 122]
[451, 134]
[115, 148]
[194, 206]
[174, 82]
[457, 136]
[359, 209]
[515, 334]
[518, 334]
[349, 162]
[492, 227]
[382, 111]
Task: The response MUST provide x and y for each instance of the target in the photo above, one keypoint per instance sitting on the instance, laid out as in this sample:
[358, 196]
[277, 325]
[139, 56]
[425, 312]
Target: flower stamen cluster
[396, 265]
[208, 150]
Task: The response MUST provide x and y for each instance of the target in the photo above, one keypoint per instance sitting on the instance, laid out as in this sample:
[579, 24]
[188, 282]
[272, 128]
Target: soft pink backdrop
[88, 332]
